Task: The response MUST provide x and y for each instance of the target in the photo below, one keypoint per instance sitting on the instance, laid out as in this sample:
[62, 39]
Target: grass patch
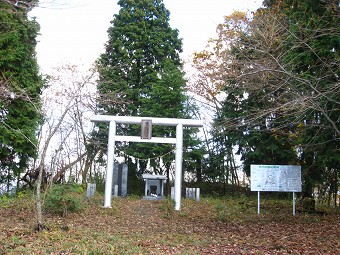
[167, 207]
[135, 226]
[62, 199]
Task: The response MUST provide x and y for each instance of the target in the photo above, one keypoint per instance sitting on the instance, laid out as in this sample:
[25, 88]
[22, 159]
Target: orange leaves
[202, 55]
[213, 66]
[233, 25]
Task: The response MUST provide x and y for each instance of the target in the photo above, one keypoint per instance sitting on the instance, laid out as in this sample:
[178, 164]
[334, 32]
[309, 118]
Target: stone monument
[119, 180]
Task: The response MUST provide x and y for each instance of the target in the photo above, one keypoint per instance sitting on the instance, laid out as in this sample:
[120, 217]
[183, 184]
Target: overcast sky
[75, 33]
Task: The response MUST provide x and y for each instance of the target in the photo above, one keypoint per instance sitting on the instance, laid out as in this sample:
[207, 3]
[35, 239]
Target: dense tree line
[271, 81]
[279, 77]
[20, 88]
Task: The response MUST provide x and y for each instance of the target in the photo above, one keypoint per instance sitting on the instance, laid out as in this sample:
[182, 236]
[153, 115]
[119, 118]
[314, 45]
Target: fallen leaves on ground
[135, 226]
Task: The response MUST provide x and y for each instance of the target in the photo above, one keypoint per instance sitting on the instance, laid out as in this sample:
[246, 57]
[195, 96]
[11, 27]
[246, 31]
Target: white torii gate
[113, 120]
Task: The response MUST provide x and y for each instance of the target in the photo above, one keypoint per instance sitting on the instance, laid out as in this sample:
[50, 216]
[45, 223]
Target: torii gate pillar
[178, 166]
[114, 120]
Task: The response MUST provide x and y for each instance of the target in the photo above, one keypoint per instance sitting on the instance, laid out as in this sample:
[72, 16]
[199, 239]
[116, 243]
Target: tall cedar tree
[140, 75]
[20, 86]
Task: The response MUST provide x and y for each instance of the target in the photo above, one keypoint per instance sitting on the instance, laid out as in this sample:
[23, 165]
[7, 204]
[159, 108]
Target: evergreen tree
[20, 86]
[140, 42]
[280, 74]
[312, 56]
[140, 75]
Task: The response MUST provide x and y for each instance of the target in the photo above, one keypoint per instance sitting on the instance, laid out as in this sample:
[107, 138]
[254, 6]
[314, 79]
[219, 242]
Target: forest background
[269, 81]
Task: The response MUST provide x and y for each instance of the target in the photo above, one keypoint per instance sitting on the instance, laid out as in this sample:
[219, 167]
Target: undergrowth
[167, 207]
[62, 199]
[215, 225]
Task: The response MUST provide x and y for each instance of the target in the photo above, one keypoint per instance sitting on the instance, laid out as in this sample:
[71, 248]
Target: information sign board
[285, 178]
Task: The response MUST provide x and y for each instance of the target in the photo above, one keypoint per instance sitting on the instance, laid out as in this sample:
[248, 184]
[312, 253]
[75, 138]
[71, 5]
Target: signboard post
[294, 203]
[282, 178]
[258, 202]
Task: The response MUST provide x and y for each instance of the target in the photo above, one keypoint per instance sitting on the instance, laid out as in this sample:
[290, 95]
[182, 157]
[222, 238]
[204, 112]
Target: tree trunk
[167, 183]
[62, 171]
[40, 225]
[199, 170]
[86, 170]
[8, 187]
[336, 188]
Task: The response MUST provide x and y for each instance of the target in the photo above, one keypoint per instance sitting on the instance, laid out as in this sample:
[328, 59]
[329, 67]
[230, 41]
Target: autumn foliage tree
[279, 73]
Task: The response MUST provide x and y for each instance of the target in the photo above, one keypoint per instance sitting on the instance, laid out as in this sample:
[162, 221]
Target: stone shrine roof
[154, 176]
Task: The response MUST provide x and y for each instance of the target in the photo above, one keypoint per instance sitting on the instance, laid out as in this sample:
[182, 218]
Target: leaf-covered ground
[135, 226]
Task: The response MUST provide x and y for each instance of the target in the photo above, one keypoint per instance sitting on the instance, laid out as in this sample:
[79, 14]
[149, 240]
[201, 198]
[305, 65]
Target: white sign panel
[275, 178]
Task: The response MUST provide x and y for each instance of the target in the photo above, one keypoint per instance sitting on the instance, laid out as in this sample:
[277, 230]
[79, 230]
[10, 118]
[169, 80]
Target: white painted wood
[154, 176]
[178, 166]
[140, 140]
[114, 120]
[155, 121]
[109, 167]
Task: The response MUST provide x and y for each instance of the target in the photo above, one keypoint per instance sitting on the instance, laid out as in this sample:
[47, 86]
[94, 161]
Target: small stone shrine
[154, 186]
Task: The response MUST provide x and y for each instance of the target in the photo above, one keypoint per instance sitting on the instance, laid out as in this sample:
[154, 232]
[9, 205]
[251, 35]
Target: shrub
[62, 199]
[99, 180]
[308, 204]
[167, 206]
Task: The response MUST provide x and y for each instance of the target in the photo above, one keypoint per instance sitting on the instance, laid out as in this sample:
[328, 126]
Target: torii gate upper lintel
[114, 120]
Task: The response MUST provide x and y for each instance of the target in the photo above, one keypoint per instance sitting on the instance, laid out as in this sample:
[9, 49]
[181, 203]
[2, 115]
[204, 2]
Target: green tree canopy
[279, 73]
[141, 42]
[20, 86]
[311, 57]
[140, 74]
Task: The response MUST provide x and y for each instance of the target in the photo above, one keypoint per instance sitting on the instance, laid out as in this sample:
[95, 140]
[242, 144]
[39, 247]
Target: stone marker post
[91, 189]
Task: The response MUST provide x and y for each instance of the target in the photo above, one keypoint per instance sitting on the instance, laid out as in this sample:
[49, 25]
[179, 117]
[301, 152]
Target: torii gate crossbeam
[114, 120]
